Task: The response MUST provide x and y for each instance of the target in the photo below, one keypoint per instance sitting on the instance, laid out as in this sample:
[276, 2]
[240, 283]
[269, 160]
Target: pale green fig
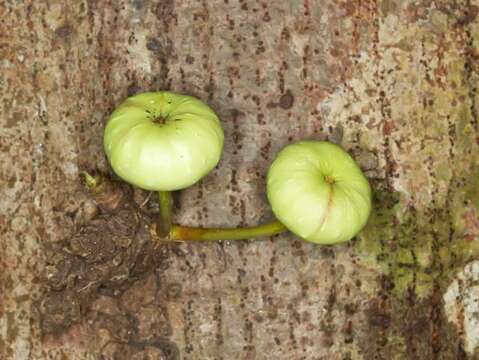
[318, 192]
[162, 141]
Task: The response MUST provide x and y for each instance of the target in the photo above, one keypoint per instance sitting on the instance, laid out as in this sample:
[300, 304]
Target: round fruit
[318, 192]
[162, 141]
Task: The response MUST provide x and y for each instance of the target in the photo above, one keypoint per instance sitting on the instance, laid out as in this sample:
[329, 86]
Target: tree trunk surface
[393, 82]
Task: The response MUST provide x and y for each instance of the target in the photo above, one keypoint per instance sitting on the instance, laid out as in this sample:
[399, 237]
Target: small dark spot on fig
[190, 59]
[286, 101]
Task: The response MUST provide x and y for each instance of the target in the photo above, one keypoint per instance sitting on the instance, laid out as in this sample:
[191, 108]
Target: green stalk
[185, 233]
[163, 223]
[91, 182]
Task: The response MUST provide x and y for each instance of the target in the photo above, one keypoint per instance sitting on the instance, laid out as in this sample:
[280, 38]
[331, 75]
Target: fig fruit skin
[163, 141]
[318, 192]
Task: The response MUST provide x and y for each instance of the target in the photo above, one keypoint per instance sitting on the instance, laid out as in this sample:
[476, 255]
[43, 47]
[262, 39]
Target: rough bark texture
[394, 82]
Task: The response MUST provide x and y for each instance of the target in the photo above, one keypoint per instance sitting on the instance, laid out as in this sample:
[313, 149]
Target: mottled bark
[394, 82]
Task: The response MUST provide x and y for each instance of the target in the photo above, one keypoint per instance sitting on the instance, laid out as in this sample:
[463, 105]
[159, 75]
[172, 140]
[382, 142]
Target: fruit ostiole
[163, 142]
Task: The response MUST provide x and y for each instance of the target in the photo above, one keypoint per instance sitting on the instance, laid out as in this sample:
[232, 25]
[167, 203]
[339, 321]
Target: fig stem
[163, 224]
[91, 182]
[185, 233]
